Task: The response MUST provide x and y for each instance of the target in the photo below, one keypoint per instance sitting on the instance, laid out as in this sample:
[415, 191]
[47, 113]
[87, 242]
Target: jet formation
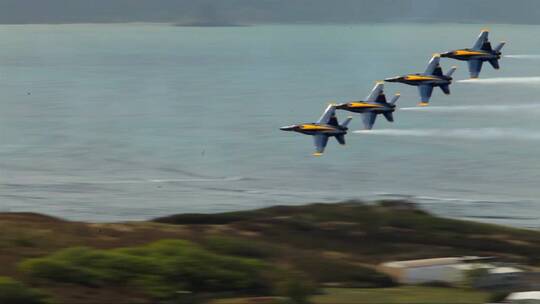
[376, 103]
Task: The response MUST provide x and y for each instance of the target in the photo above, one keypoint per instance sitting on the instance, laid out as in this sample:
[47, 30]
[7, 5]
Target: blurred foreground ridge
[318, 253]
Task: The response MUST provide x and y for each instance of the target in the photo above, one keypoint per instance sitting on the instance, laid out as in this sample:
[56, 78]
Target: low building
[448, 270]
[527, 297]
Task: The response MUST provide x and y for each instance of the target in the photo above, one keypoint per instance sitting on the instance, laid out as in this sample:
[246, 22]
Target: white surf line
[141, 181]
[523, 56]
[476, 134]
[504, 80]
[223, 179]
[475, 108]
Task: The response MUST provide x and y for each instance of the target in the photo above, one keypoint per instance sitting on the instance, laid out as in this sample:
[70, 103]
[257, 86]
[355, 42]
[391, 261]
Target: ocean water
[134, 121]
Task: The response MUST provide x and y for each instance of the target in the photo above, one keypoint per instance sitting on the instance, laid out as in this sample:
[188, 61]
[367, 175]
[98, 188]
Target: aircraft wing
[369, 120]
[425, 92]
[475, 66]
[483, 38]
[377, 94]
[320, 142]
[328, 114]
[433, 65]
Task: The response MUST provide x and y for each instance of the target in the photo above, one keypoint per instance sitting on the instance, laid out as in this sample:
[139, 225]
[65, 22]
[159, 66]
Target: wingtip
[484, 30]
[454, 67]
[423, 104]
[317, 154]
[398, 94]
[379, 82]
[436, 55]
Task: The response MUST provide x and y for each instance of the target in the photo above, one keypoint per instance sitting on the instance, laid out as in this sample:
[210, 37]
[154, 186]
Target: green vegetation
[286, 253]
[162, 269]
[264, 300]
[376, 232]
[401, 295]
[14, 292]
[332, 270]
[239, 247]
[396, 295]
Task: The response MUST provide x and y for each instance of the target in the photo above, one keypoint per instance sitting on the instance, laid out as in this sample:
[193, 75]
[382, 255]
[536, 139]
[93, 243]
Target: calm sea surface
[125, 122]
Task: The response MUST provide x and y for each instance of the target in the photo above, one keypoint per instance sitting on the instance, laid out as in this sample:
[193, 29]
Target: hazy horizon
[224, 12]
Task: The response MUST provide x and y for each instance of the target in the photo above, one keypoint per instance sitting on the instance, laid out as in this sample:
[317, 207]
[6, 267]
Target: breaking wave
[120, 182]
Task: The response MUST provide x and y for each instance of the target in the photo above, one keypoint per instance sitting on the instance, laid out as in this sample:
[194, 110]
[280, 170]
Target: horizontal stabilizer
[451, 71]
[499, 47]
[494, 63]
[341, 139]
[389, 116]
[445, 89]
[394, 99]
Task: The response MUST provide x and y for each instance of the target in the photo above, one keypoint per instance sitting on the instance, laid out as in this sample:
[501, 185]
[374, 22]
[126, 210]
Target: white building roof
[527, 295]
[423, 263]
[504, 270]
[434, 262]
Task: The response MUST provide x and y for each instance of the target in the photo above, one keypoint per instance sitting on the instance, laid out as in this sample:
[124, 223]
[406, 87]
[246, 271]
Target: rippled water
[123, 122]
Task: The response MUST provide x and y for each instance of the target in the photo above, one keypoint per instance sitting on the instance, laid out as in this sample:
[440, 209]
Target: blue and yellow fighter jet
[480, 52]
[432, 77]
[327, 126]
[374, 105]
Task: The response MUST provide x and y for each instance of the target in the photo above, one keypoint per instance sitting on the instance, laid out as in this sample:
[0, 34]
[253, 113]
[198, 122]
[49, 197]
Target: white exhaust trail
[504, 80]
[476, 108]
[523, 56]
[471, 134]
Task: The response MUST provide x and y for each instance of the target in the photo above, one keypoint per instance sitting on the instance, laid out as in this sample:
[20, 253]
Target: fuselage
[315, 129]
[364, 107]
[470, 54]
[421, 79]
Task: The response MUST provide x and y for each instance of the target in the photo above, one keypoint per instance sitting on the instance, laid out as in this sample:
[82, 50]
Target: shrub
[296, 287]
[498, 297]
[239, 247]
[335, 271]
[163, 269]
[14, 292]
[440, 284]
